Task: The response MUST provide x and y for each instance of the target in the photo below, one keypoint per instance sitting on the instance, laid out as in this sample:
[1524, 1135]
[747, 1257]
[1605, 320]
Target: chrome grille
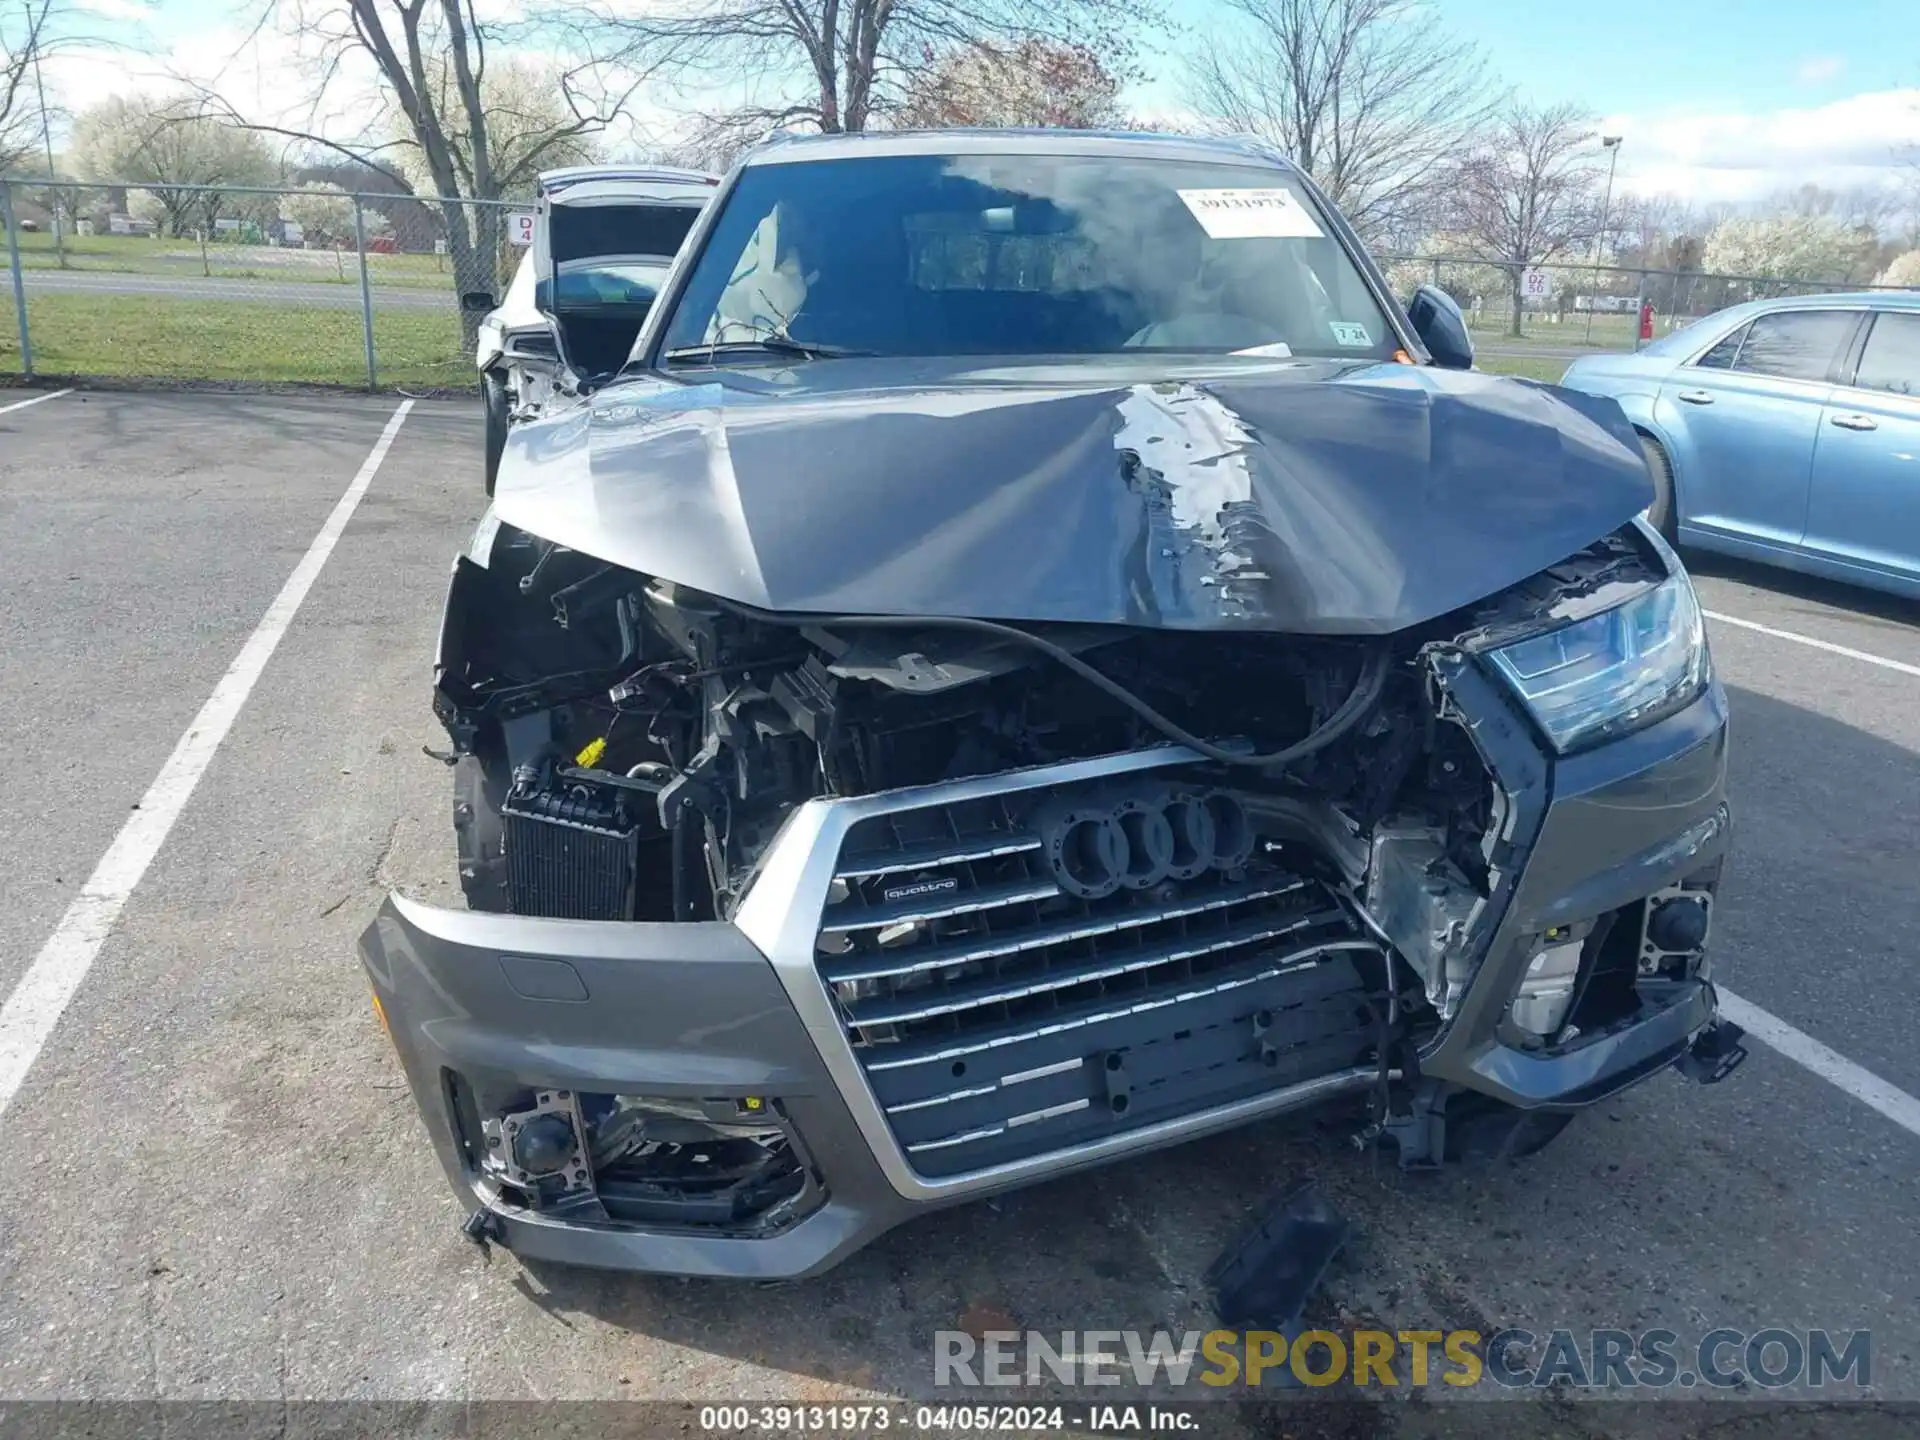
[997, 1017]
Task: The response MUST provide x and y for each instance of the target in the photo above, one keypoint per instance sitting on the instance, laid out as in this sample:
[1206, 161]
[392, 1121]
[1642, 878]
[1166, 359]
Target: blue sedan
[1786, 431]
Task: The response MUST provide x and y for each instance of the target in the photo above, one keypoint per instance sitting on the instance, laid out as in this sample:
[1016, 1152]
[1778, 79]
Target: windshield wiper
[762, 344]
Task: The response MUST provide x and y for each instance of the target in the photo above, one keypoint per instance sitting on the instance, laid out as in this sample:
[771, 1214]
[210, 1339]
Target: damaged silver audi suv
[1036, 657]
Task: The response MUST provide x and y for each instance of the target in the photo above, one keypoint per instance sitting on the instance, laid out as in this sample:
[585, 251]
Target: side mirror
[476, 300]
[1441, 327]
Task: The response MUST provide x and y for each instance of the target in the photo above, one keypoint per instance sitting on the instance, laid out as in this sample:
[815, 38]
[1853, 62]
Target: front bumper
[482, 1008]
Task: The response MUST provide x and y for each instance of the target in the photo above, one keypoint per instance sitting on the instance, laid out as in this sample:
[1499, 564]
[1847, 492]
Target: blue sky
[1631, 55]
[1719, 100]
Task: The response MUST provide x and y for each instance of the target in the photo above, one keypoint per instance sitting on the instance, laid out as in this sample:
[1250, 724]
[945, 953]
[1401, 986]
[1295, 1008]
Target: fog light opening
[729, 1163]
[539, 1150]
[1674, 930]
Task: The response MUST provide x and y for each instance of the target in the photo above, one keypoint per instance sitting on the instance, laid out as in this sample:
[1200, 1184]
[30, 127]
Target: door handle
[1696, 397]
[1853, 421]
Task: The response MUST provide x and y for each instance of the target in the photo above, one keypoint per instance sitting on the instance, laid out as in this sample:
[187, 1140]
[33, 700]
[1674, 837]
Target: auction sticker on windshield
[1248, 214]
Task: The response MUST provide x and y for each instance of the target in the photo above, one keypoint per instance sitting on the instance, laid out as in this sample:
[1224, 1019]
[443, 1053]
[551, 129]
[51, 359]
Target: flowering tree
[173, 152]
[1786, 247]
[1905, 270]
[323, 212]
[1465, 282]
[1035, 82]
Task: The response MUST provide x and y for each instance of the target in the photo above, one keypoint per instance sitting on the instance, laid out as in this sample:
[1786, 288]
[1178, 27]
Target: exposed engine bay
[673, 731]
[627, 748]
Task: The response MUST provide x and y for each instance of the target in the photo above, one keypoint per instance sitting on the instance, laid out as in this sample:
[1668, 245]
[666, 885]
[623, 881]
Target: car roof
[786, 149]
[1848, 299]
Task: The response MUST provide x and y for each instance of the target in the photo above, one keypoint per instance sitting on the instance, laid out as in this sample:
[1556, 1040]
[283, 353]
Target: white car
[604, 238]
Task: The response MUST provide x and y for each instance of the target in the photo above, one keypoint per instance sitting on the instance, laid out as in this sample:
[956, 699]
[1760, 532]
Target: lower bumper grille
[997, 1017]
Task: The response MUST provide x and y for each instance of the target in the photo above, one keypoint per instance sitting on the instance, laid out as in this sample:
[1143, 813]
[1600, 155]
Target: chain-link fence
[1563, 307]
[247, 284]
[258, 284]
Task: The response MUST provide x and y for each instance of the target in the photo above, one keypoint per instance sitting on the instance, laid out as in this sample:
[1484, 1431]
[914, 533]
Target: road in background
[222, 1189]
[332, 294]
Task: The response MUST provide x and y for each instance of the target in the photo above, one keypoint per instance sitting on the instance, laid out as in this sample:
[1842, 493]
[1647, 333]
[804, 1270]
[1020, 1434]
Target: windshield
[1027, 255]
[608, 282]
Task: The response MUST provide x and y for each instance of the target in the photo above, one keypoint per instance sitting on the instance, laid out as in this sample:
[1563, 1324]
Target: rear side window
[1891, 361]
[1795, 344]
[1720, 357]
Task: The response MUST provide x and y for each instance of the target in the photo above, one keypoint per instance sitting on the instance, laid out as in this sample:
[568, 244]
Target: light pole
[1611, 144]
[46, 137]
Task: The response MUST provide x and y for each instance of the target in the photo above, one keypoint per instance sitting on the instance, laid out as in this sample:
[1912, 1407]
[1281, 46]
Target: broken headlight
[1613, 672]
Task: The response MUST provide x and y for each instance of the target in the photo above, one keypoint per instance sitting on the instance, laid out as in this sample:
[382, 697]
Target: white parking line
[1882, 661]
[35, 400]
[1801, 1048]
[1798, 1046]
[37, 1002]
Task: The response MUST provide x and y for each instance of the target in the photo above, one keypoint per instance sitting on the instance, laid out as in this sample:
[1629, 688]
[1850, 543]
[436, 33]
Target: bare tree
[447, 127]
[1370, 97]
[1529, 189]
[1907, 216]
[841, 65]
[26, 34]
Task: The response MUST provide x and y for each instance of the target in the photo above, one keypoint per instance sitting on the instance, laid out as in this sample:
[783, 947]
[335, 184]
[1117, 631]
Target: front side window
[1720, 357]
[1891, 359]
[1795, 344]
[1027, 255]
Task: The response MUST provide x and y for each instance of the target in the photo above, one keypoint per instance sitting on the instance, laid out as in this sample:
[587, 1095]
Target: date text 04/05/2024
[869, 1419]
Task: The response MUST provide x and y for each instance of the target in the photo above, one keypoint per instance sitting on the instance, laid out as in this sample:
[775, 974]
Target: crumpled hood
[1305, 498]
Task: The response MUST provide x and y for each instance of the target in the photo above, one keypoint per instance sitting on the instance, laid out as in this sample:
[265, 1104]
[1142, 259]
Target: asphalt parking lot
[220, 1190]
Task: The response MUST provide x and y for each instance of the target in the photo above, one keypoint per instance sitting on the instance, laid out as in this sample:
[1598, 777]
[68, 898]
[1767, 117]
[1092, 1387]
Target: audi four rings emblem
[1141, 837]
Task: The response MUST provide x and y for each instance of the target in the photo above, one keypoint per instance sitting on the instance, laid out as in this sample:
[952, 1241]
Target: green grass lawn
[1610, 332]
[196, 339]
[164, 338]
[159, 255]
[1549, 370]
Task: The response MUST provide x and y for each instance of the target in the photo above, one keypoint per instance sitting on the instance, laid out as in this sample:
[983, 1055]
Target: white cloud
[260, 72]
[1735, 156]
[271, 78]
[1818, 69]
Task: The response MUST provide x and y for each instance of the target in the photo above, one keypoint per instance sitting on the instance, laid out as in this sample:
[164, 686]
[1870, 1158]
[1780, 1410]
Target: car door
[1742, 418]
[1865, 502]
